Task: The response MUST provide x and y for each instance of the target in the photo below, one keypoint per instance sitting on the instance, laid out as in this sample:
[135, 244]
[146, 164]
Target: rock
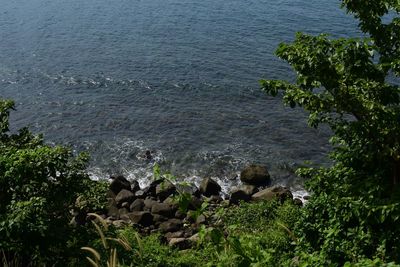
[180, 215]
[180, 243]
[172, 225]
[189, 189]
[306, 197]
[163, 209]
[215, 199]
[137, 205]
[195, 203]
[123, 211]
[164, 190]
[298, 202]
[125, 205]
[120, 223]
[148, 203]
[201, 219]
[112, 209]
[194, 238]
[124, 196]
[135, 186]
[158, 219]
[255, 175]
[150, 191]
[243, 193]
[143, 218]
[278, 192]
[140, 194]
[118, 183]
[209, 187]
[170, 235]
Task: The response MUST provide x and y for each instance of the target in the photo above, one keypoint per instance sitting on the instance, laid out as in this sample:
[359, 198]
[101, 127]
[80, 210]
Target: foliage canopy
[344, 83]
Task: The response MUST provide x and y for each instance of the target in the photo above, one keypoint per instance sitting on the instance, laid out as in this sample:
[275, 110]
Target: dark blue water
[177, 77]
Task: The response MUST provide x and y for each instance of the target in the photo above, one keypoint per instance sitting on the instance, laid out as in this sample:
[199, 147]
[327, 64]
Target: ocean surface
[178, 78]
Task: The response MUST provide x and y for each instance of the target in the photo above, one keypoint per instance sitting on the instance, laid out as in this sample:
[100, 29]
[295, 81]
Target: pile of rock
[256, 179]
[155, 209]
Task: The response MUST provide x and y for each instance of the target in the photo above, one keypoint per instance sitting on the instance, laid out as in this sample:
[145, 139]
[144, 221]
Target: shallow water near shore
[177, 78]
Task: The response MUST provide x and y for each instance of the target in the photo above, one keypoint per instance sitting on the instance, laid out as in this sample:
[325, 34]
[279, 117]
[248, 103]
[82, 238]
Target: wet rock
[124, 196]
[135, 186]
[143, 218]
[137, 205]
[163, 209]
[172, 225]
[164, 190]
[276, 192]
[242, 193]
[140, 194]
[118, 183]
[209, 187]
[150, 191]
[255, 175]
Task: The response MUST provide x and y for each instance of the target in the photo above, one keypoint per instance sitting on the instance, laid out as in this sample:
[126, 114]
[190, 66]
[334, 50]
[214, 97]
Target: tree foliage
[39, 184]
[345, 84]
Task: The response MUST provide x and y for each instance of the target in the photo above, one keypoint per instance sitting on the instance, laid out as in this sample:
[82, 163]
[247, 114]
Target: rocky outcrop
[209, 187]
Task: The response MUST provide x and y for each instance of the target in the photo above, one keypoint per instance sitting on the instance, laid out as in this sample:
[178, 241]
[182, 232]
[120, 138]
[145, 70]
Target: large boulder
[242, 193]
[255, 175]
[135, 186]
[163, 209]
[276, 192]
[124, 196]
[143, 218]
[118, 183]
[209, 187]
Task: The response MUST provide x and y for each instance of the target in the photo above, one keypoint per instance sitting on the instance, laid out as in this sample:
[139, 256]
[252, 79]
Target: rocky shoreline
[178, 210]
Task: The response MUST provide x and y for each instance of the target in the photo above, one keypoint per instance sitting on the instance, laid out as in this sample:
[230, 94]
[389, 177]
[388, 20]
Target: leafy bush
[355, 210]
[39, 184]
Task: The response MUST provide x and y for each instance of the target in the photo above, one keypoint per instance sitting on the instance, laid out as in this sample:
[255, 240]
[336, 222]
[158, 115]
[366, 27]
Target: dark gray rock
[135, 186]
[118, 183]
[180, 215]
[209, 187]
[189, 189]
[125, 205]
[298, 202]
[180, 243]
[276, 192]
[148, 203]
[122, 212]
[112, 209]
[137, 205]
[164, 190]
[158, 219]
[124, 196]
[163, 209]
[140, 194]
[255, 175]
[172, 225]
[242, 193]
[150, 191]
[201, 219]
[143, 218]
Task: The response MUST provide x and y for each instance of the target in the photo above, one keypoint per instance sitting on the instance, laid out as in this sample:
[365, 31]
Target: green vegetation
[352, 218]
[354, 212]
